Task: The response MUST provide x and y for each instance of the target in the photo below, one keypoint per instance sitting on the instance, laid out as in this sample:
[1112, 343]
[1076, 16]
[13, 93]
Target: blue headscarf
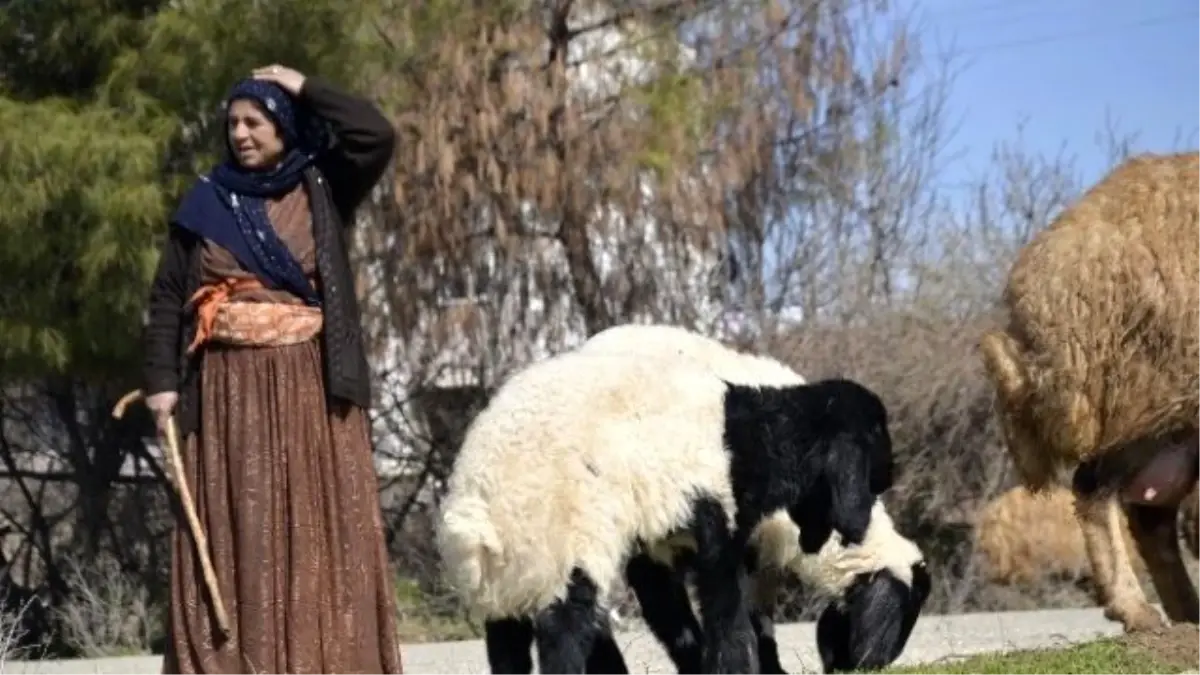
[228, 205]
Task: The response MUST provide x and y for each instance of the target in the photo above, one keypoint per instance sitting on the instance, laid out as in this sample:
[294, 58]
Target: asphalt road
[935, 637]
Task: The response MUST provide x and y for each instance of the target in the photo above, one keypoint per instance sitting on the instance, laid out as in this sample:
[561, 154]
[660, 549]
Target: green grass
[1101, 656]
[417, 622]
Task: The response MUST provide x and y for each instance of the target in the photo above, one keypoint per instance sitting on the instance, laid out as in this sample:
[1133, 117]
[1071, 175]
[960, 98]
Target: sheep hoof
[1141, 619]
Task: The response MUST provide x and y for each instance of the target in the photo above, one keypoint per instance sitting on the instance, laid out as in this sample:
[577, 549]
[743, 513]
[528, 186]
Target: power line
[1049, 39]
[968, 10]
[985, 10]
[1018, 19]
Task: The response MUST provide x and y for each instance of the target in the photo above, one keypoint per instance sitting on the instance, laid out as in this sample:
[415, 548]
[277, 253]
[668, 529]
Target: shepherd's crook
[189, 507]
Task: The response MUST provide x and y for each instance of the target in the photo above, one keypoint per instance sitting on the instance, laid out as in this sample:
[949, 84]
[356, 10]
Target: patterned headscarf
[301, 133]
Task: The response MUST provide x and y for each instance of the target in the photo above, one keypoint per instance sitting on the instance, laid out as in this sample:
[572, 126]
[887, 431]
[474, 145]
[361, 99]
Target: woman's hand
[162, 405]
[290, 79]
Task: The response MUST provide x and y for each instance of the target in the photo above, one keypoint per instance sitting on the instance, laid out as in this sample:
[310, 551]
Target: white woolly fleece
[834, 567]
[672, 343]
[573, 459]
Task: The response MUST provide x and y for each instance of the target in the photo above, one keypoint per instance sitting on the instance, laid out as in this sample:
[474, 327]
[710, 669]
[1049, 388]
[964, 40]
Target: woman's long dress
[287, 493]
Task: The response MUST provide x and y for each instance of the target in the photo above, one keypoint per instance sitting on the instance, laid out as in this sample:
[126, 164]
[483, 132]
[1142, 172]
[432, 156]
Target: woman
[253, 344]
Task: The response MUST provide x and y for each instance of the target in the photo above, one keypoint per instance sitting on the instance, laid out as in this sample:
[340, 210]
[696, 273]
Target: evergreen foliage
[108, 110]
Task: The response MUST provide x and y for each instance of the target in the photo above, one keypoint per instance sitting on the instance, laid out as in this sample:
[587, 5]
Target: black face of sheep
[869, 627]
[856, 415]
[843, 449]
[846, 463]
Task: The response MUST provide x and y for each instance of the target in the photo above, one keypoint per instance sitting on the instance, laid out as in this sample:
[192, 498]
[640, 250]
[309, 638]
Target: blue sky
[1049, 75]
[1060, 66]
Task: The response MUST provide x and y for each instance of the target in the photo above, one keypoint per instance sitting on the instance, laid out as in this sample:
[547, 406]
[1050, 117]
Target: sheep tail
[468, 543]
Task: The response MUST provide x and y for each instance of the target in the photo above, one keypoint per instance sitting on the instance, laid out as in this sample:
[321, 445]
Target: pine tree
[108, 109]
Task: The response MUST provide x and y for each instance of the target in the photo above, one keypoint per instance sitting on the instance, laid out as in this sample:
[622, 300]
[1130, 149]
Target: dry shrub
[1025, 538]
[11, 635]
[24, 626]
[1102, 345]
[108, 612]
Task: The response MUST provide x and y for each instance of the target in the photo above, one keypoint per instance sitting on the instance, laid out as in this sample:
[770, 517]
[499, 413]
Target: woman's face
[255, 142]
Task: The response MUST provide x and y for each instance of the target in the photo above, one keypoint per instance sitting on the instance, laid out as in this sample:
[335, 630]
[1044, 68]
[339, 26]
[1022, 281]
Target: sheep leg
[721, 583]
[566, 631]
[768, 649]
[765, 583]
[1155, 531]
[1117, 583]
[667, 611]
[1190, 517]
[605, 656]
[509, 643]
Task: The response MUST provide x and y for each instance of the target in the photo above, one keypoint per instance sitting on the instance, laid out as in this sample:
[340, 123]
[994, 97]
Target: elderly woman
[253, 344]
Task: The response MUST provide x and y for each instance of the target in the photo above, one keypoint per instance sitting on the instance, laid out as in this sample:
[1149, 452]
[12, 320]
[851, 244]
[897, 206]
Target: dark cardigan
[341, 178]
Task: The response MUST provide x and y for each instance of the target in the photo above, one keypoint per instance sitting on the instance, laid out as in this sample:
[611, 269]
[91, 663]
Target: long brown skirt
[287, 493]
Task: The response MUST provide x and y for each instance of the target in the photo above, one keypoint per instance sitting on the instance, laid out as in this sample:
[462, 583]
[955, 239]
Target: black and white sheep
[875, 591]
[581, 458]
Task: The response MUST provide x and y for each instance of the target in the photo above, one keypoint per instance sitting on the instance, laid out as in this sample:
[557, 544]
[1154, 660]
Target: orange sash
[256, 324]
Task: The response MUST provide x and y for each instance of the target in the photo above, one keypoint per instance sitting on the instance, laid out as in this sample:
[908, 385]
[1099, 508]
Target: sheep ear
[848, 472]
[883, 467]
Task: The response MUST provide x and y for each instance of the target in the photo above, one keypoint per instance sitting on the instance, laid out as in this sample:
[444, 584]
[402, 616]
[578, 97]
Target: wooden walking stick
[175, 471]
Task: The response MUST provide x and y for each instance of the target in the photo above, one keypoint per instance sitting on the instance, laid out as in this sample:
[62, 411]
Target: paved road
[935, 637]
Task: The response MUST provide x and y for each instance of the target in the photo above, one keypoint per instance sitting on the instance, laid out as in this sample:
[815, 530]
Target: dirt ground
[1179, 644]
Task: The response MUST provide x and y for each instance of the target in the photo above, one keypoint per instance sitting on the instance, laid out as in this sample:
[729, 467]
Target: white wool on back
[573, 459]
[672, 343]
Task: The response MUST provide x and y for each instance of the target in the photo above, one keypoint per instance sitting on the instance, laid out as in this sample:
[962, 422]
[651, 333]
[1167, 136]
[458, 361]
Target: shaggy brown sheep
[1097, 372]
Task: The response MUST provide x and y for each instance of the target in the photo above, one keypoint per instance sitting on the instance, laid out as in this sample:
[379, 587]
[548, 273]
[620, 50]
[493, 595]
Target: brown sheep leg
[1116, 582]
[1154, 530]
